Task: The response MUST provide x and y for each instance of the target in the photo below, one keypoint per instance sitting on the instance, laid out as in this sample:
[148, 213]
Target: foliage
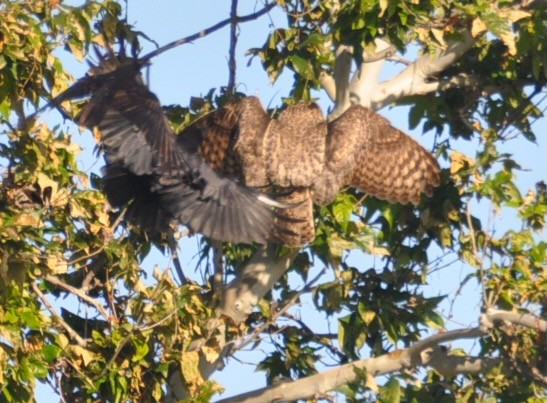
[59, 238]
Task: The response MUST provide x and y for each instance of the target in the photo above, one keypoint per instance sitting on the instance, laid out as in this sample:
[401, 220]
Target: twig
[317, 336]
[383, 54]
[218, 276]
[475, 252]
[208, 31]
[79, 293]
[521, 319]
[59, 379]
[128, 338]
[158, 323]
[232, 52]
[82, 375]
[518, 113]
[81, 342]
[118, 350]
[85, 257]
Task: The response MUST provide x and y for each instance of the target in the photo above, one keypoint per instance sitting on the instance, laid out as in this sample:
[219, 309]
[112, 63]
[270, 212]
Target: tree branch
[451, 365]
[365, 79]
[364, 88]
[72, 333]
[238, 300]
[414, 79]
[209, 30]
[80, 294]
[426, 352]
[342, 70]
[253, 282]
[232, 52]
[521, 319]
[328, 84]
[278, 313]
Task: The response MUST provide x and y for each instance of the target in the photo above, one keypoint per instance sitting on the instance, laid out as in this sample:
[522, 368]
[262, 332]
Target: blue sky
[193, 69]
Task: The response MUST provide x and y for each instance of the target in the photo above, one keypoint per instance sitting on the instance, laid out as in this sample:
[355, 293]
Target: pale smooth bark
[425, 353]
[365, 89]
[253, 282]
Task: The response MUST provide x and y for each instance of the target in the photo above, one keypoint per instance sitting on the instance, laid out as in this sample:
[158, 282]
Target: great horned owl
[311, 159]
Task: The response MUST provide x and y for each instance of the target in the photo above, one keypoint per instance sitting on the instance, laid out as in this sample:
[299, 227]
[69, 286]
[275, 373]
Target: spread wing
[241, 140]
[366, 152]
[134, 193]
[230, 140]
[145, 162]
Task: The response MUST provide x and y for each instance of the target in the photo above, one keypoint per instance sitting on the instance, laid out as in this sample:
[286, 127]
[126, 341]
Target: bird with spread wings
[300, 151]
[216, 175]
[154, 177]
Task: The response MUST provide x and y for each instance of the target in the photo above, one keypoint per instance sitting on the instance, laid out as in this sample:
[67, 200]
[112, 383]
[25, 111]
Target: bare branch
[438, 338]
[414, 79]
[328, 84]
[521, 319]
[426, 352]
[452, 365]
[399, 59]
[80, 294]
[72, 333]
[253, 282]
[208, 31]
[342, 69]
[459, 81]
[339, 87]
[232, 52]
[365, 79]
[316, 385]
[385, 53]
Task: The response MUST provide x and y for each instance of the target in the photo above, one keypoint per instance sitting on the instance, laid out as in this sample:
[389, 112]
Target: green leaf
[313, 40]
[51, 352]
[141, 350]
[391, 392]
[434, 321]
[302, 67]
[366, 314]
[416, 114]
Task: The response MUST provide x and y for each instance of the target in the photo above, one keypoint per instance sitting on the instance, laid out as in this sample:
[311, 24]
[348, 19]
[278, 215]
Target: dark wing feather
[125, 190]
[134, 129]
[230, 140]
[145, 161]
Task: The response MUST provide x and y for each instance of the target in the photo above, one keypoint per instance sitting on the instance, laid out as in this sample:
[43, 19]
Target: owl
[237, 174]
[309, 160]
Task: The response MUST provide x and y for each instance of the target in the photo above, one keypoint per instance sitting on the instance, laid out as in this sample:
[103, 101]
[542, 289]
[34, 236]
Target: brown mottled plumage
[300, 151]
